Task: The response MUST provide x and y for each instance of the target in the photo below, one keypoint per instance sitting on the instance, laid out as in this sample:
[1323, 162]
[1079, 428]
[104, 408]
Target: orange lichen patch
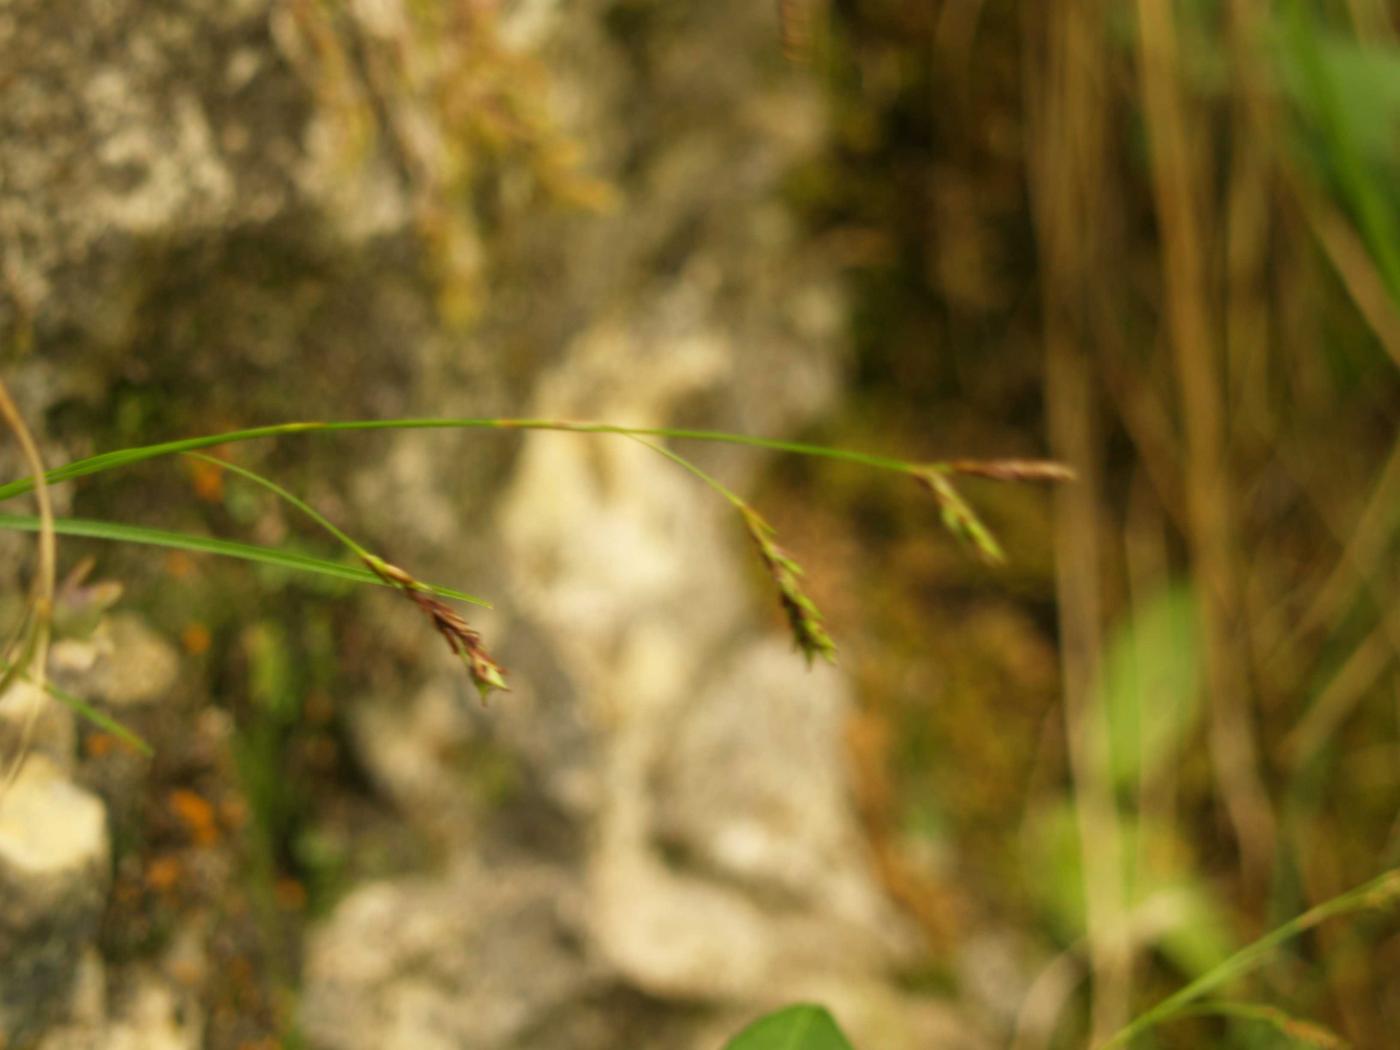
[162, 873]
[197, 814]
[186, 971]
[195, 638]
[233, 812]
[179, 564]
[98, 745]
[291, 894]
[208, 480]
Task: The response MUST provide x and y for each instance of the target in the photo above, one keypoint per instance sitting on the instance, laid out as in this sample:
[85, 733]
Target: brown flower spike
[1011, 469]
[464, 642]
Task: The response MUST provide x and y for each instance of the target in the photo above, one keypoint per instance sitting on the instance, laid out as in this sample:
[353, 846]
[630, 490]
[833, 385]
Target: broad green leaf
[1149, 677]
[1362, 78]
[801, 1027]
[1349, 98]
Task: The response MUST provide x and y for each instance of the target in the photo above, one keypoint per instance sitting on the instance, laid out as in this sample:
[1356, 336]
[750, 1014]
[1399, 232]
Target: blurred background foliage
[1165, 235]
[1159, 241]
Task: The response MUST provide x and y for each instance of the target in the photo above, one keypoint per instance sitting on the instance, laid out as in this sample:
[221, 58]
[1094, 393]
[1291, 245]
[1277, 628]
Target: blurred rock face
[54, 857]
[222, 187]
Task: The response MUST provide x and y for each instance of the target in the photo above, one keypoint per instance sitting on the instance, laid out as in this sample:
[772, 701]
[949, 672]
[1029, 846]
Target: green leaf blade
[100, 719]
[151, 537]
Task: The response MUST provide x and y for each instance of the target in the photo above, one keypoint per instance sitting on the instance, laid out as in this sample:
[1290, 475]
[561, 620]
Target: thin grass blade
[128, 456]
[285, 559]
[1382, 891]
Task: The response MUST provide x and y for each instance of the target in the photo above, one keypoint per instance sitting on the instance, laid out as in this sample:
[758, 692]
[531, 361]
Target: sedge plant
[23, 656]
[803, 617]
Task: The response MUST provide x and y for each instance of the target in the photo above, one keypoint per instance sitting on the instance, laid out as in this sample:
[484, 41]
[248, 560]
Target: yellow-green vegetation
[1165, 234]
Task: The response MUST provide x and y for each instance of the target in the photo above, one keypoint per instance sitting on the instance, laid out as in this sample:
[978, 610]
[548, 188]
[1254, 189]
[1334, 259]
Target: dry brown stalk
[32, 660]
[1180, 188]
[1070, 158]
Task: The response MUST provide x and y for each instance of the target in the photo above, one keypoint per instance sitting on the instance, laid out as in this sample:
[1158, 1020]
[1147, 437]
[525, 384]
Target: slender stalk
[125, 457]
[1382, 891]
[35, 647]
[735, 500]
[461, 638]
[1180, 189]
[803, 615]
[804, 618]
[277, 490]
[1072, 141]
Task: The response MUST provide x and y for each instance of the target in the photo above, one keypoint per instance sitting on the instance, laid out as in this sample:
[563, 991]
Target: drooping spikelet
[465, 643]
[804, 618]
[958, 516]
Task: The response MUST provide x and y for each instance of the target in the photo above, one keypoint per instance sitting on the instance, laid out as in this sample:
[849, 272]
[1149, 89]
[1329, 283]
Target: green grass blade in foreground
[125, 457]
[98, 718]
[85, 710]
[122, 533]
[1380, 892]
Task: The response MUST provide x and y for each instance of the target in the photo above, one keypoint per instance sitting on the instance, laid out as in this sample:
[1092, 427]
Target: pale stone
[138, 666]
[153, 1017]
[53, 879]
[49, 827]
[472, 957]
[33, 722]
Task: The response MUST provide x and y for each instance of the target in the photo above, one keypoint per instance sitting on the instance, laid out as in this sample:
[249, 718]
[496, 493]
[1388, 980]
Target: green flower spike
[958, 516]
[804, 618]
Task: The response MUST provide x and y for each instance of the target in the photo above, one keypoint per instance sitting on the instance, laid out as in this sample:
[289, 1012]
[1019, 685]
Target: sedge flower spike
[804, 618]
[465, 643]
[958, 516]
[1011, 469]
